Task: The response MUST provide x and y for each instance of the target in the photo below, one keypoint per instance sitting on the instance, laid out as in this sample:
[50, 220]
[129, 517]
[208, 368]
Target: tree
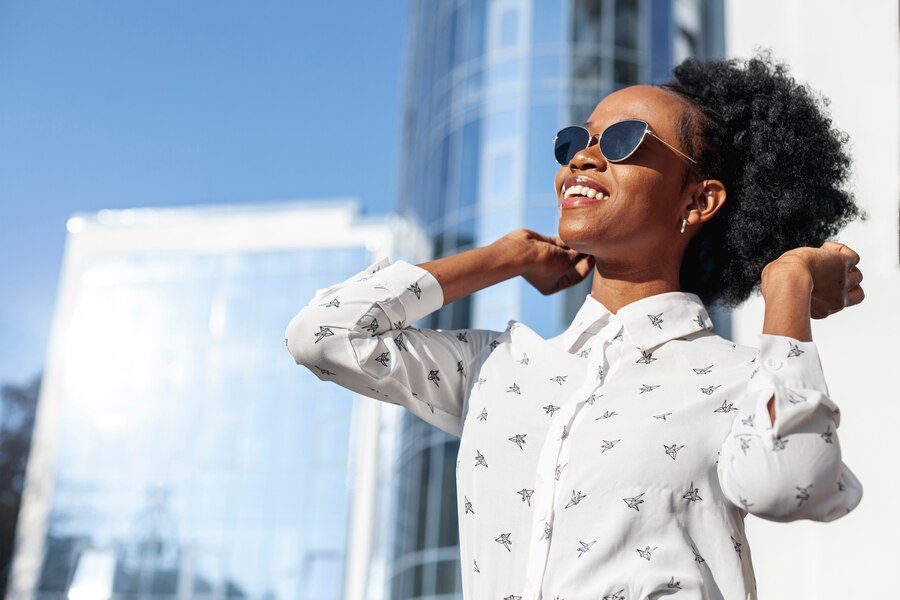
[17, 410]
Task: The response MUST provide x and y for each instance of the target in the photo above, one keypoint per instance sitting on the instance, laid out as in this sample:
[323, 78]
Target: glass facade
[488, 84]
[191, 458]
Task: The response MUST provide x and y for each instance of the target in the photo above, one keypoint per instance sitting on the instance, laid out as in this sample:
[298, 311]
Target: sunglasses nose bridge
[591, 139]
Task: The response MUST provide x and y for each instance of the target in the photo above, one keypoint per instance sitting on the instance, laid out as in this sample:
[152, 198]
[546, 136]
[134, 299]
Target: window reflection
[625, 72]
[586, 21]
[626, 29]
[193, 460]
[685, 43]
[586, 31]
[508, 29]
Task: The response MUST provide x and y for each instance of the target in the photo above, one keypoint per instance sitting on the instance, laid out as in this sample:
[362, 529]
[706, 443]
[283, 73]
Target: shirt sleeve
[790, 469]
[359, 335]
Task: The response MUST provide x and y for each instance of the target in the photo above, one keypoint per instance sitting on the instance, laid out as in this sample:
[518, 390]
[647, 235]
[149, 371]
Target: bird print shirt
[615, 461]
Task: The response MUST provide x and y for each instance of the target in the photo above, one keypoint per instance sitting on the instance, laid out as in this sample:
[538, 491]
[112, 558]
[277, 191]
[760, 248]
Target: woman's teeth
[583, 190]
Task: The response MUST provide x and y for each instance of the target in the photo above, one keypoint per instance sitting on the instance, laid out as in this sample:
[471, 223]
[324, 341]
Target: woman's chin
[578, 234]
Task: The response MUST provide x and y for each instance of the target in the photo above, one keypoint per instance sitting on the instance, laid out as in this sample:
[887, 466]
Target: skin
[632, 243]
[633, 239]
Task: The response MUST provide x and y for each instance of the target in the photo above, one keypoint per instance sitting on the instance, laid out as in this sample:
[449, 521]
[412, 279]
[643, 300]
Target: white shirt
[615, 461]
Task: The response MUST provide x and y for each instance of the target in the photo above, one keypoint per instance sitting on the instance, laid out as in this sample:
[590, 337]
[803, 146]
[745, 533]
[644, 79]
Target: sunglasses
[617, 142]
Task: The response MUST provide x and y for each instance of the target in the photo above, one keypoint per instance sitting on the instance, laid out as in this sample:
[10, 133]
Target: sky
[111, 104]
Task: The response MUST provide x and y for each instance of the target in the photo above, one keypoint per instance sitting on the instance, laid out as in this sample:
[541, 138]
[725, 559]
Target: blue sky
[110, 104]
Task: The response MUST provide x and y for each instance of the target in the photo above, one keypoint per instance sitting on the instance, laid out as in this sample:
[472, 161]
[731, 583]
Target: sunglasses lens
[570, 141]
[621, 139]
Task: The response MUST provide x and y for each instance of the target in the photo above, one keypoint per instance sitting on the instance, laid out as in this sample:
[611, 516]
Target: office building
[179, 452]
[488, 84]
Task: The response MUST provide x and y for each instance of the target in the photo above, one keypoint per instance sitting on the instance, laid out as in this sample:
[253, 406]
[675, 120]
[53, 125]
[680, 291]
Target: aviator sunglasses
[617, 142]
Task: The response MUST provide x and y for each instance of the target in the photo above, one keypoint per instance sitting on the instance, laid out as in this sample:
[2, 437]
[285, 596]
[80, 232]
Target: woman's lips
[579, 190]
[574, 201]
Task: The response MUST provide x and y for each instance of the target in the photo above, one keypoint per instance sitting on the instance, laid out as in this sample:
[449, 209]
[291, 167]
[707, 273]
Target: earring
[683, 222]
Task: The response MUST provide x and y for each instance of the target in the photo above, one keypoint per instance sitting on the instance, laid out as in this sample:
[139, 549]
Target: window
[501, 181]
[508, 25]
[587, 19]
[509, 28]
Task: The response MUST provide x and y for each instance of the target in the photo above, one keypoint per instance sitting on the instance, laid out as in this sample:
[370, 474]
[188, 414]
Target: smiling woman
[619, 459]
[764, 161]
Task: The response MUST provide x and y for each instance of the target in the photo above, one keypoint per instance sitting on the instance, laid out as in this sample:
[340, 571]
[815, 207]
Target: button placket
[554, 451]
[545, 490]
[589, 386]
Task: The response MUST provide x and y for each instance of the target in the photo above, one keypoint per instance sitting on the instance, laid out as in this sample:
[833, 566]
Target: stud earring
[683, 222]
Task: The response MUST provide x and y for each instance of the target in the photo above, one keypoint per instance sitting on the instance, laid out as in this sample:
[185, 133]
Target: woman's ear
[708, 198]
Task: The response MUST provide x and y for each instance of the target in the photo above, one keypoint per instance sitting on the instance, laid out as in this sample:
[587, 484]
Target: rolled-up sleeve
[359, 335]
[791, 469]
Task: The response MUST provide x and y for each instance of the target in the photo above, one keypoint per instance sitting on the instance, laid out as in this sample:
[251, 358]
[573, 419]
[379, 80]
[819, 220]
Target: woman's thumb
[584, 266]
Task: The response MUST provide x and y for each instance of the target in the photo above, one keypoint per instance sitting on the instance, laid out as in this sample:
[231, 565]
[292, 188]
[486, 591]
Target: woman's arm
[358, 333]
[782, 460]
[787, 296]
[789, 468]
[467, 272]
[545, 262]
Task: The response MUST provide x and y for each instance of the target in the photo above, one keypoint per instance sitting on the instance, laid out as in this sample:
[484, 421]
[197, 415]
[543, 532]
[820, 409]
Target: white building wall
[849, 52]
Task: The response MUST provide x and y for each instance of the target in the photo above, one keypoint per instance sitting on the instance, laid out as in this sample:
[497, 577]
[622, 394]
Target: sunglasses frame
[647, 131]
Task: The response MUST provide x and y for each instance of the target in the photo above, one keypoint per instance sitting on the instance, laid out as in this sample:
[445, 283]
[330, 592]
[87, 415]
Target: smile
[579, 190]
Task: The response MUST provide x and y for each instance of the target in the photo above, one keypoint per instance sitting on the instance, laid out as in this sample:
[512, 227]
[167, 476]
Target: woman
[618, 459]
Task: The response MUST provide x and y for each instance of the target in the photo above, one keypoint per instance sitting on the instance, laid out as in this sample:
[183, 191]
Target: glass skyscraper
[179, 452]
[488, 84]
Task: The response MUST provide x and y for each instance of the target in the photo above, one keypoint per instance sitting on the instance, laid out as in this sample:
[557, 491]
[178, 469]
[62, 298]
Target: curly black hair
[770, 141]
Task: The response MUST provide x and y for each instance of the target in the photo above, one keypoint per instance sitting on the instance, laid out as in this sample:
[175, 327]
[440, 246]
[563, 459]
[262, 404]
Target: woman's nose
[589, 158]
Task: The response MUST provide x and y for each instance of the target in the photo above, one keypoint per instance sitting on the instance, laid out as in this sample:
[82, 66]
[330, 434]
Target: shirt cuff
[794, 363]
[410, 292]
[791, 371]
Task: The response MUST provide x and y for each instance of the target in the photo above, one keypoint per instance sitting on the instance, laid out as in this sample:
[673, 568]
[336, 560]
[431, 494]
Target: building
[853, 556]
[178, 451]
[488, 84]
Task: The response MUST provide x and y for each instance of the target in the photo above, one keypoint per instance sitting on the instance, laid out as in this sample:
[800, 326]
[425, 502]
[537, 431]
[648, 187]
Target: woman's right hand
[550, 265]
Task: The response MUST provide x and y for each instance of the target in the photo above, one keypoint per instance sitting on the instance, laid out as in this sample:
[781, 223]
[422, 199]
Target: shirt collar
[647, 322]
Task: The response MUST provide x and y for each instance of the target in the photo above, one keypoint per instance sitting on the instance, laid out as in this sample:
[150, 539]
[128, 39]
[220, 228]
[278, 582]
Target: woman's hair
[771, 143]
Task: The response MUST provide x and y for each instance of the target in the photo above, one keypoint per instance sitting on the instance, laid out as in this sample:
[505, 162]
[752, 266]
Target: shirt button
[773, 363]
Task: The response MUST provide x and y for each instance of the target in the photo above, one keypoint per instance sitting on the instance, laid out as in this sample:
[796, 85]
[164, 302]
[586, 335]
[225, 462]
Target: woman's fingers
[846, 251]
[558, 242]
[855, 296]
[577, 272]
[819, 309]
[584, 266]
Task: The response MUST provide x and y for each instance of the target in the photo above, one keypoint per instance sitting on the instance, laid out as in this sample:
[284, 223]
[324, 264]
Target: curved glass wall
[179, 451]
[191, 459]
[488, 83]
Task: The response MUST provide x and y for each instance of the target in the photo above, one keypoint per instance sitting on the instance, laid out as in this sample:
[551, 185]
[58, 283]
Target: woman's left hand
[832, 270]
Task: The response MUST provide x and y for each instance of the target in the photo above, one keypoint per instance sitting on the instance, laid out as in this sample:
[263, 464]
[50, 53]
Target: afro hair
[770, 141]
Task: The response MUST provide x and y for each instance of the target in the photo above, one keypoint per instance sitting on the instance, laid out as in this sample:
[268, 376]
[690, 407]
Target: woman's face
[641, 218]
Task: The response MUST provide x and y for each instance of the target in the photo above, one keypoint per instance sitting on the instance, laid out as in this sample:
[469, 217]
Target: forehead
[659, 108]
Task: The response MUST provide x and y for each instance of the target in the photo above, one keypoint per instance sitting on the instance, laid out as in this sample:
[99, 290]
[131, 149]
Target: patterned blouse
[615, 461]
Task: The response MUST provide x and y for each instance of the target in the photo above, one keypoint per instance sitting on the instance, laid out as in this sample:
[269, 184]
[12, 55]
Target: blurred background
[176, 181]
